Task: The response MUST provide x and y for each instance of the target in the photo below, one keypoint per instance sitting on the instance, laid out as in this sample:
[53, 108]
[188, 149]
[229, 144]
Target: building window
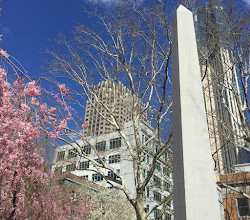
[58, 169]
[84, 165]
[60, 155]
[165, 171]
[167, 216]
[70, 167]
[112, 175]
[101, 146]
[156, 148]
[115, 158]
[147, 191]
[169, 204]
[166, 186]
[143, 139]
[165, 157]
[72, 153]
[99, 161]
[87, 149]
[243, 207]
[115, 143]
[85, 177]
[97, 177]
[158, 166]
[146, 209]
[157, 212]
[157, 196]
[157, 181]
[149, 145]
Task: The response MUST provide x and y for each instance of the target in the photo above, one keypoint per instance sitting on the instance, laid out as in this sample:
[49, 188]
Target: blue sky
[28, 26]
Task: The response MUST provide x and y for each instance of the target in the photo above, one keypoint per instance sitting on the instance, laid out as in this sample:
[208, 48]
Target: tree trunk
[140, 213]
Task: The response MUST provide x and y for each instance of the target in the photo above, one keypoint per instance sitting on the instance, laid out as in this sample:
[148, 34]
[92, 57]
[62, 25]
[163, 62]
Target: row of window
[166, 216]
[97, 115]
[157, 212]
[100, 146]
[97, 177]
[156, 195]
[121, 108]
[161, 184]
[85, 164]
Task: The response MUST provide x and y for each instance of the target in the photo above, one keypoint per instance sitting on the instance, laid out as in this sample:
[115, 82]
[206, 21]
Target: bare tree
[132, 46]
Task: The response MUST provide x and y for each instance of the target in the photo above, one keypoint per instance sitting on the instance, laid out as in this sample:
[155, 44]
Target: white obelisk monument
[195, 193]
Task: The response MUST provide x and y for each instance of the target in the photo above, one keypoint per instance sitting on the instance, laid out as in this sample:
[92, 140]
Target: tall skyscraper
[109, 98]
[221, 87]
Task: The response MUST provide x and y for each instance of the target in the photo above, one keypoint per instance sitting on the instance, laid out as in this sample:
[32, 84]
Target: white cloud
[247, 2]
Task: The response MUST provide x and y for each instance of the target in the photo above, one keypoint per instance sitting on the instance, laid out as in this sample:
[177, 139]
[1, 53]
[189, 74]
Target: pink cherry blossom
[2, 73]
[34, 101]
[4, 53]
[45, 120]
[19, 84]
[26, 189]
[52, 111]
[43, 108]
[62, 124]
[25, 107]
[56, 96]
[85, 125]
[63, 89]
[32, 89]
[53, 134]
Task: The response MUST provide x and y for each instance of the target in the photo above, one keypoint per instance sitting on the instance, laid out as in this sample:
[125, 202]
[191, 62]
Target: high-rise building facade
[115, 153]
[220, 84]
[110, 98]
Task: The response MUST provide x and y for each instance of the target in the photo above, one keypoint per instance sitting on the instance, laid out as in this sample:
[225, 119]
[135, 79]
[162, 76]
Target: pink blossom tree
[27, 190]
